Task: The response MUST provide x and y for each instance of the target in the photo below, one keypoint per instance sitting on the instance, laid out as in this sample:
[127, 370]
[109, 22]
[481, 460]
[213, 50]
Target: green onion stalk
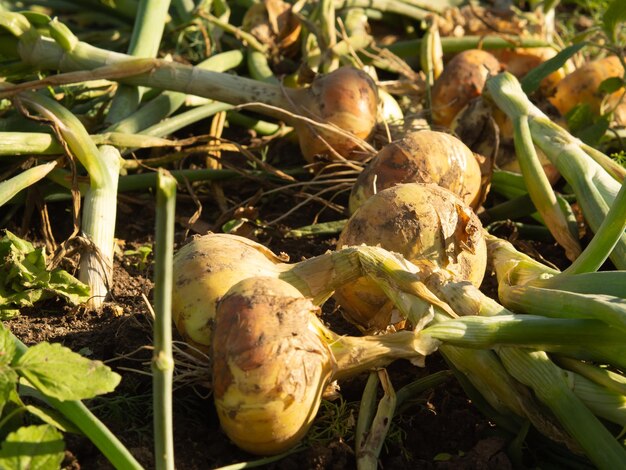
[595, 188]
[341, 124]
[168, 102]
[527, 285]
[144, 42]
[12, 186]
[532, 368]
[162, 361]
[100, 201]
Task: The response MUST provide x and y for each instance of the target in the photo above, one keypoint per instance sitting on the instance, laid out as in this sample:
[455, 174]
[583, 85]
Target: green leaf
[24, 279]
[8, 381]
[613, 16]
[58, 372]
[33, 448]
[611, 85]
[7, 346]
[532, 79]
[53, 418]
[591, 135]
[579, 117]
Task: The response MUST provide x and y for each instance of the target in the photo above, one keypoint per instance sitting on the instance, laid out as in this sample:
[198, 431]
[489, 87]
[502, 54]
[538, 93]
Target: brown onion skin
[463, 78]
[269, 366]
[581, 86]
[347, 98]
[421, 222]
[421, 157]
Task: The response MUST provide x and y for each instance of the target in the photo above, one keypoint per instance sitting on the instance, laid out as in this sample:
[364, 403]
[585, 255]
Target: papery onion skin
[462, 79]
[347, 98]
[270, 365]
[203, 271]
[421, 157]
[421, 222]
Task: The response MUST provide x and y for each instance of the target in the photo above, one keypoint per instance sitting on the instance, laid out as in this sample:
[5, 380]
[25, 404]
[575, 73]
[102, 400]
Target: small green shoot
[140, 257]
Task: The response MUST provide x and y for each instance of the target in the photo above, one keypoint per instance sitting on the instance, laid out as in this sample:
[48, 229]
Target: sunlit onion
[421, 157]
[346, 98]
[462, 79]
[273, 358]
[203, 271]
[421, 222]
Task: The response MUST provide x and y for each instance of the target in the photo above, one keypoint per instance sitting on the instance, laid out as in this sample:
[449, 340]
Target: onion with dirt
[422, 222]
[273, 359]
[269, 367]
[421, 157]
[462, 79]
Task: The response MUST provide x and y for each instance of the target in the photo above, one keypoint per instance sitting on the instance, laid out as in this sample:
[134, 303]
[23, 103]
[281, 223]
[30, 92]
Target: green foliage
[34, 448]
[614, 15]
[25, 280]
[585, 125]
[533, 79]
[56, 373]
[59, 372]
[140, 256]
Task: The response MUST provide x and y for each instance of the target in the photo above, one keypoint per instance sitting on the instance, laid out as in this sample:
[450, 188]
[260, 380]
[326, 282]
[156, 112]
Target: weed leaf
[7, 346]
[33, 447]
[58, 372]
[24, 279]
[8, 381]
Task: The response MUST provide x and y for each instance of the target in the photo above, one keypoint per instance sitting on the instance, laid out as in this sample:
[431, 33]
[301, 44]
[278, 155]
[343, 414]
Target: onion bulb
[581, 86]
[203, 271]
[421, 157]
[462, 79]
[273, 358]
[346, 98]
[269, 367]
[420, 222]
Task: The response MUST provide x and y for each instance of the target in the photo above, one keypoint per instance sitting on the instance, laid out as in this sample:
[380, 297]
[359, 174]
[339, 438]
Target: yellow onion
[269, 367]
[203, 271]
[207, 267]
[421, 157]
[420, 222]
[581, 86]
[273, 358]
[346, 98]
[463, 79]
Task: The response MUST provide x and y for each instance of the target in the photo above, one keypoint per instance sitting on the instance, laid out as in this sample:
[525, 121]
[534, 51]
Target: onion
[462, 79]
[346, 98]
[581, 86]
[421, 222]
[203, 271]
[421, 157]
[273, 358]
[269, 367]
